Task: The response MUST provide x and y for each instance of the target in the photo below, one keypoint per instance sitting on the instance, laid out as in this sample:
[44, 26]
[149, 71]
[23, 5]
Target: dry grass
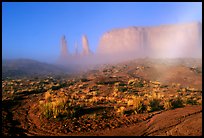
[48, 96]
[136, 103]
[120, 110]
[123, 102]
[56, 107]
[167, 105]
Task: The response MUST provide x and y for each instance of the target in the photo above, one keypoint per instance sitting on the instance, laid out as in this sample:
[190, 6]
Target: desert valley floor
[141, 97]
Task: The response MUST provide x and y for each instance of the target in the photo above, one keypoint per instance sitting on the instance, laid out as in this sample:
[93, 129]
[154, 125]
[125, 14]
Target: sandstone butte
[164, 41]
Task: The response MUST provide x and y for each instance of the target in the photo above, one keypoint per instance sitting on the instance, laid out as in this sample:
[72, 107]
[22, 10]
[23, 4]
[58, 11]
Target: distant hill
[15, 68]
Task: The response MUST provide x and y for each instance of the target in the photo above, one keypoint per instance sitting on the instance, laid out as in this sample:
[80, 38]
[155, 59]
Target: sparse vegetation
[101, 102]
[167, 105]
[140, 84]
[59, 107]
[136, 103]
[191, 101]
[177, 102]
[155, 105]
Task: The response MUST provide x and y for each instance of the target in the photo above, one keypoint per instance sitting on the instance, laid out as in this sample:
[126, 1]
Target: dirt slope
[23, 119]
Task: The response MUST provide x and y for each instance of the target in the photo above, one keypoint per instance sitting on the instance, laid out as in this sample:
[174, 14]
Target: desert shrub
[122, 89]
[47, 110]
[70, 83]
[131, 82]
[92, 116]
[140, 84]
[56, 87]
[146, 106]
[100, 83]
[199, 101]
[178, 90]
[163, 86]
[94, 88]
[167, 105]
[63, 85]
[84, 80]
[136, 104]
[122, 84]
[120, 110]
[155, 101]
[105, 82]
[48, 96]
[177, 102]
[155, 105]
[191, 101]
[59, 108]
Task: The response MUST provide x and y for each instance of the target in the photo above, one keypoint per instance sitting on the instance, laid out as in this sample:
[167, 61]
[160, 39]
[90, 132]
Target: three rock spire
[85, 48]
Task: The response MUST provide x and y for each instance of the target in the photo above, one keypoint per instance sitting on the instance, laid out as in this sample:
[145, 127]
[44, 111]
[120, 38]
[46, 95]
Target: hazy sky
[34, 30]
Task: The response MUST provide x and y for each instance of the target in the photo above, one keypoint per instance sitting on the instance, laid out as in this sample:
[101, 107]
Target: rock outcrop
[166, 41]
[181, 40]
[121, 40]
[64, 50]
[76, 58]
[85, 46]
[64, 55]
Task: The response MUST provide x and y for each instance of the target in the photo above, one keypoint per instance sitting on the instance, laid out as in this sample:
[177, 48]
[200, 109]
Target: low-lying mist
[166, 44]
[118, 45]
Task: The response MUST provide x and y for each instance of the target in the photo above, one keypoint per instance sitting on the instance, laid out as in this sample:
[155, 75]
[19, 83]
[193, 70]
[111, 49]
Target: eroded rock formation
[181, 40]
[166, 41]
[64, 55]
[77, 57]
[85, 46]
[121, 40]
[64, 50]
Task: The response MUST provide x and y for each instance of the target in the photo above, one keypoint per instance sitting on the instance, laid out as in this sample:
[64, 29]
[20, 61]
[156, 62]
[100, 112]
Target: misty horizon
[39, 35]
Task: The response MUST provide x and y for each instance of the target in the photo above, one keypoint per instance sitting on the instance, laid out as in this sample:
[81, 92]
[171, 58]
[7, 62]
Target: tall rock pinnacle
[64, 51]
[85, 46]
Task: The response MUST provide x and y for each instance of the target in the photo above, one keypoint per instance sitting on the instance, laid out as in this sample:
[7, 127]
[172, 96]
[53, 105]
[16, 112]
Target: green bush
[56, 87]
[164, 86]
[122, 89]
[176, 103]
[155, 105]
[191, 101]
[140, 84]
[47, 111]
[145, 108]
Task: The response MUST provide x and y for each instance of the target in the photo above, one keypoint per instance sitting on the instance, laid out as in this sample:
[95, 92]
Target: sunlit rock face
[76, 58]
[172, 41]
[85, 46]
[64, 50]
[64, 55]
[166, 41]
[122, 43]
[121, 40]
